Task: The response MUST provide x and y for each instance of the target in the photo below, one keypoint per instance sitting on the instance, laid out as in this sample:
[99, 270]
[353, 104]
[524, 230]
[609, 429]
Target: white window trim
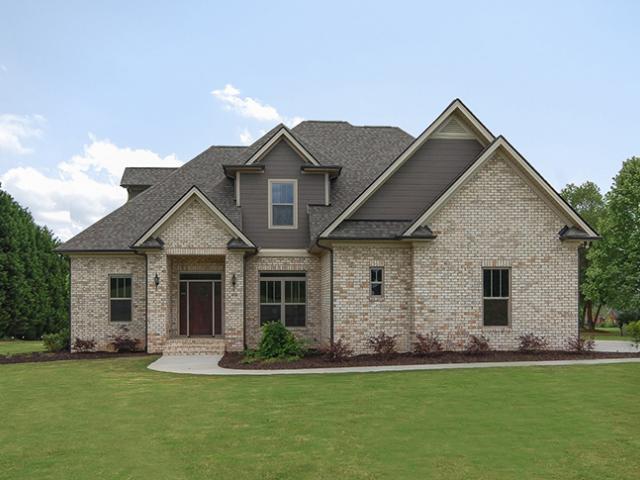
[326, 189]
[508, 299]
[237, 189]
[295, 204]
[372, 283]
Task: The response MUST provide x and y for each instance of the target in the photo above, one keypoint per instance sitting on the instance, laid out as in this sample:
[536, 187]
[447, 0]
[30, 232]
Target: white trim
[237, 189]
[535, 177]
[283, 133]
[456, 106]
[466, 134]
[326, 189]
[295, 204]
[284, 252]
[198, 194]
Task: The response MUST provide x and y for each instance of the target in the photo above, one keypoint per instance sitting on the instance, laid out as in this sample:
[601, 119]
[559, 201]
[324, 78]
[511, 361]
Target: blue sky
[89, 87]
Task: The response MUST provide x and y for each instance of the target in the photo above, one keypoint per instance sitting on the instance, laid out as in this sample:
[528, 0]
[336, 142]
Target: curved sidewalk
[208, 365]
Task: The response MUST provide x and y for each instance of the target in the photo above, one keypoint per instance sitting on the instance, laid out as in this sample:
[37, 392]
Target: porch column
[157, 302]
[234, 301]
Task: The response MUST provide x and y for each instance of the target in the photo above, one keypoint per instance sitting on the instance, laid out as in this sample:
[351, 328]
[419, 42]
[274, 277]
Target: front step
[194, 346]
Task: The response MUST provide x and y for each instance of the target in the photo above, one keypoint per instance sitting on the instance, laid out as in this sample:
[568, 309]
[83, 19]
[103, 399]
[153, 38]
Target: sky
[87, 88]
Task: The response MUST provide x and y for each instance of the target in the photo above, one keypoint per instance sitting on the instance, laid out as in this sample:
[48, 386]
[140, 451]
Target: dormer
[137, 179]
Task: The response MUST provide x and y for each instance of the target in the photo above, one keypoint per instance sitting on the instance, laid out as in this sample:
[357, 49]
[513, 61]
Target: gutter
[330, 250]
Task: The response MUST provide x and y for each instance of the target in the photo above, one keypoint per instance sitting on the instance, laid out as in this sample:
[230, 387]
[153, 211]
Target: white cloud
[251, 108]
[83, 189]
[15, 129]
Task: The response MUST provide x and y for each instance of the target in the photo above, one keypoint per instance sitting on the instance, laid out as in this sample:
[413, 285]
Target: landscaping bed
[318, 360]
[50, 357]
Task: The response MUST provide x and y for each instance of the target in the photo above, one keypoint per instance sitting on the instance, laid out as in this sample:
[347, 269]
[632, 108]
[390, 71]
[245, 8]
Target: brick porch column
[234, 301]
[158, 302]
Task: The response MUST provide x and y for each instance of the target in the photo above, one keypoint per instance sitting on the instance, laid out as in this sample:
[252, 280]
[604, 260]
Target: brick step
[194, 346]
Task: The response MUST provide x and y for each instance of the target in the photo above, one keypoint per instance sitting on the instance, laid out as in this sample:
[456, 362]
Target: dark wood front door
[200, 308]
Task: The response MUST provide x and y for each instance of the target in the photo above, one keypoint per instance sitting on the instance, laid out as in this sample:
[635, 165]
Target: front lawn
[116, 419]
[13, 347]
[605, 333]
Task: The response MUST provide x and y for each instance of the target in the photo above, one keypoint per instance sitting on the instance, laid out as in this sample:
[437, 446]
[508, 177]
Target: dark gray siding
[420, 180]
[281, 162]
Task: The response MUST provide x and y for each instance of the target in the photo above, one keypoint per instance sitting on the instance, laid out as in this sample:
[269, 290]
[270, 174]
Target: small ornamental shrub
[56, 342]
[532, 343]
[477, 344]
[337, 351]
[580, 345]
[428, 344]
[383, 344]
[84, 346]
[123, 342]
[633, 330]
[278, 342]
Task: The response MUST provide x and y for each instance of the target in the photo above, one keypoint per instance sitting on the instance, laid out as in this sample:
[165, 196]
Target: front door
[200, 308]
[200, 304]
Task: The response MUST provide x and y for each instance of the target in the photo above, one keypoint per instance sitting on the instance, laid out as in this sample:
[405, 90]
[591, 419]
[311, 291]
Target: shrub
[477, 344]
[532, 343]
[626, 317]
[84, 346]
[337, 351]
[428, 344]
[633, 330]
[278, 342]
[56, 342]
[580, 345]
[383, 344]
[123, 342]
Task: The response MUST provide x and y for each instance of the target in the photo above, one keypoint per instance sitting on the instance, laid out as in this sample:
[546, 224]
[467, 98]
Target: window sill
[496, 327]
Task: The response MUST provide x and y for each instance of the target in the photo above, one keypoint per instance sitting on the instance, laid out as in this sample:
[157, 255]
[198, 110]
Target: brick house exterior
[340, 232]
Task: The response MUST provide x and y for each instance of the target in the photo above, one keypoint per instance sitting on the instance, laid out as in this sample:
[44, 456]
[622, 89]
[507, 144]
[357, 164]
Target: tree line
[34, 280]
[610, 268]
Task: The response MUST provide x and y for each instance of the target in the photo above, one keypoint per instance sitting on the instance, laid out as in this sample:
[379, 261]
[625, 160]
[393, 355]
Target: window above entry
[283, 204]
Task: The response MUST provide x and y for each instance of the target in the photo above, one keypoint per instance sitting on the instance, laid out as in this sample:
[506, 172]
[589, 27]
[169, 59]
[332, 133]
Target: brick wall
[90, 297]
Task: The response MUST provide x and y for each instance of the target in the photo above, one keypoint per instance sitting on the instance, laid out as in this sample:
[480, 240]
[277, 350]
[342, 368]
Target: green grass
[605, 333]
[13, 347]
[115, 419]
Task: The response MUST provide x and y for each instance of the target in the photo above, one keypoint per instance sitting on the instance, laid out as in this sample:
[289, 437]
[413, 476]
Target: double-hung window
[120, 298]
[283, 208]
[496, 296]
[283, 298]
[375, 282]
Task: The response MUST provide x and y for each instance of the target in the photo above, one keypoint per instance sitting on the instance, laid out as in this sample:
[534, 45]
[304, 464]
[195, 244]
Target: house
[338, 231]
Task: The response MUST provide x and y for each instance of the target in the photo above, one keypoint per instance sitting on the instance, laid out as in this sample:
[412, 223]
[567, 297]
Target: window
[282, 203]
[283, 298]
[375, 282]
[120, 298]
[495, 285]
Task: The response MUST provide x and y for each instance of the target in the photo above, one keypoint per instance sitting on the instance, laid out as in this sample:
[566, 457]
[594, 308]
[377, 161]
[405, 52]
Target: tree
[587, 200]
[34, 287]
[617, 261]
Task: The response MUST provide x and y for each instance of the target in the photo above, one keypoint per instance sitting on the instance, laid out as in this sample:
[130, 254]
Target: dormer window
[283, 208]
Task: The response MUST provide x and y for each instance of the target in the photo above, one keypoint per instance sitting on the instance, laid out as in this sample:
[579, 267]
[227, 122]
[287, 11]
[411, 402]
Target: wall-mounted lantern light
[233, 279]
[156, 280]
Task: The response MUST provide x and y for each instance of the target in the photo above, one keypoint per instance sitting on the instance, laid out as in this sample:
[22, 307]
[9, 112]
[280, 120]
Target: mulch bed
[317, 360]
[51, 357]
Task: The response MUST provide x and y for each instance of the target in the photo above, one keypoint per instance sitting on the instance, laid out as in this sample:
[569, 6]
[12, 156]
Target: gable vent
[454, 128]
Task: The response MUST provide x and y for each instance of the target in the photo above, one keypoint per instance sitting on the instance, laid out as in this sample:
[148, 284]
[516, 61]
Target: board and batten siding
[420, 180]
[282, 162]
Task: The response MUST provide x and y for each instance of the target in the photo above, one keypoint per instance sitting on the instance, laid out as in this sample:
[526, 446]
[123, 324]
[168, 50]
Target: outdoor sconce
[156, 280]
[233, 279]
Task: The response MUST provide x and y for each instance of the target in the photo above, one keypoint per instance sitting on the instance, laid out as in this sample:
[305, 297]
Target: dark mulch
[317, 360]
[51, 357]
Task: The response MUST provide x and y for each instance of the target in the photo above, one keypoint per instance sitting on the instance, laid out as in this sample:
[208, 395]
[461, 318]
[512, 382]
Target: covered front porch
[195, 302]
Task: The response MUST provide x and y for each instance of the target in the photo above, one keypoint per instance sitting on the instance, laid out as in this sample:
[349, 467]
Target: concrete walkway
[615, 346]
[208, 365]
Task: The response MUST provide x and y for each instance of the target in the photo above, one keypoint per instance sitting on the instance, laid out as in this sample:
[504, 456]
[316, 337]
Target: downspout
[330, 250]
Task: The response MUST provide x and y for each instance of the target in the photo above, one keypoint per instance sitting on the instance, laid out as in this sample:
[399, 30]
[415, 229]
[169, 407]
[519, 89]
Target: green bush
[56, 342]
[633, 330]
[278, 342]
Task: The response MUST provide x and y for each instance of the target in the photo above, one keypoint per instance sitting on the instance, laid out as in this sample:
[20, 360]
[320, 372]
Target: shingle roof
[144, 175]
[363, 152]
[377, 229]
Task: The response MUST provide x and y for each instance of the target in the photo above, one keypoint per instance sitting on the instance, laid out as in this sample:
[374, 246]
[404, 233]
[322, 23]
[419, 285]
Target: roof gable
[501, 145]
[464, 118]
[282, 134]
